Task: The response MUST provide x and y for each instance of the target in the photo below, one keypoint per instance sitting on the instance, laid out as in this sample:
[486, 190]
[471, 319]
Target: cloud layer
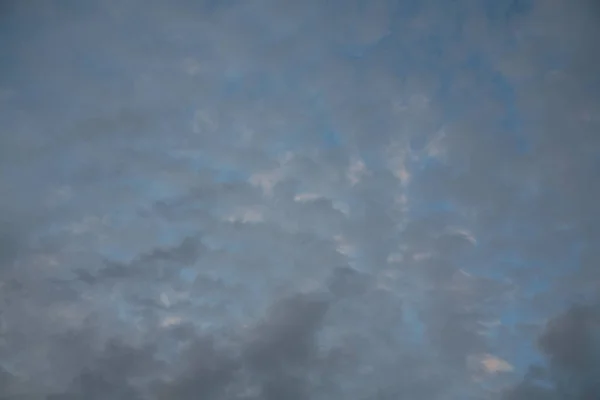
[299, 200]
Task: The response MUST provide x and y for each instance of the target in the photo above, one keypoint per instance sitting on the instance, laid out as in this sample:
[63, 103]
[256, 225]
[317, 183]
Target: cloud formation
[299, 200]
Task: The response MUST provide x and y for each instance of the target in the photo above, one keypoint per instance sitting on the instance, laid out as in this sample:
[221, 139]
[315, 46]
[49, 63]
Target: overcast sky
[299, 199]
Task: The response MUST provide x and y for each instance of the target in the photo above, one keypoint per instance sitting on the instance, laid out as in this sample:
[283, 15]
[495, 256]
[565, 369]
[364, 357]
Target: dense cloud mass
[571, 344]
[299, 200]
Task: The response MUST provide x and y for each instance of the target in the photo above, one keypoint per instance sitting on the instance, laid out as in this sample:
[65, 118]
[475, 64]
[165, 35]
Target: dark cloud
[111, 373]
[7, 384]
[208, 373]
[530, 390]
[287, 337]
[347, 281]
[570, 343]
[277, 357]
[569, 340]
[9, 246]
[155, 262]
[284, 388]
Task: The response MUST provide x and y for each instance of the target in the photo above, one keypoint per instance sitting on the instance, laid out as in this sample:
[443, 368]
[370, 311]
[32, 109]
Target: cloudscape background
[299, 200]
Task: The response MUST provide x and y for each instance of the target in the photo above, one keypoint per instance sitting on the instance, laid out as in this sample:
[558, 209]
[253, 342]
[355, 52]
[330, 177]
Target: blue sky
[185, 183]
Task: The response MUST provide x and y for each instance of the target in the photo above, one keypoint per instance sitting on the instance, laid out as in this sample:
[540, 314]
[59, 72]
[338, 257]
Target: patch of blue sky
[510, 122]
[511, 317]
[189, 274]
[222, 172]
[477, 65]
[501, 11]
[229, 174]
[413, 320]
[355, 51]
[98, 66]
[194, 158]
[522, 352]
[232, 83]
[514, 316]
[406, 10]
[423, 209]
[253, 87]
[331, 139]
[424, 54]
[501, 266]
[553, 269]
[153, 190]
[506, 94]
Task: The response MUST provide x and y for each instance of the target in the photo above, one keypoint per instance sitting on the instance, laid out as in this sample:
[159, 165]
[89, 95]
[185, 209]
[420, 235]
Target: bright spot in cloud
[493, 365]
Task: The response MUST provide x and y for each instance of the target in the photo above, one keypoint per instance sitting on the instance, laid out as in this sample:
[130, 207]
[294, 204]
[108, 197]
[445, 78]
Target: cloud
[306, 197]
[494, 365]
[287, 336]
[570, 344]
[207, 374]
[249, 215]
[8, 247]
[279, 199]
[276, 347]
[569, 339]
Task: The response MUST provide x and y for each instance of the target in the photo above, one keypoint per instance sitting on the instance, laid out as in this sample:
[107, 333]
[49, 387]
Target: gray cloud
[303, 200]
[570, 343]
[276, 356]
[9, 247]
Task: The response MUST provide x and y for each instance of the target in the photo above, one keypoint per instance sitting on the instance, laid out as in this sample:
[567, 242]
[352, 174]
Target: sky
[299, 200]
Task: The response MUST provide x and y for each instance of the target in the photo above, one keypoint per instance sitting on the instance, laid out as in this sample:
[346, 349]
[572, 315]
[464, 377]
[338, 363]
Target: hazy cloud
[299, 200]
